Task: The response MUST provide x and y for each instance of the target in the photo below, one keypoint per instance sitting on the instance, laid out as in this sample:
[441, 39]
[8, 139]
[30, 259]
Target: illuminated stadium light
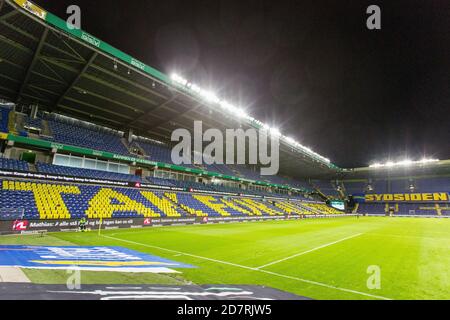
[428, 160]
[291, 141]
[403, 163]
[275, 132]
[390, 164]
[175, 77]
[240, 113]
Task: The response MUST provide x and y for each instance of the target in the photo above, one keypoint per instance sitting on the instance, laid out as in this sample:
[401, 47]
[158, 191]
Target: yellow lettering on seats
[230, 204]
[416, 197]
[172, 196]
[162, 204]
[49, 201]
[287, 207]
[209, 202]
[262, 207]
[440, 196]
[378, 197]
[252, 208]
[399, 197]
[427, 197]
[100, 205]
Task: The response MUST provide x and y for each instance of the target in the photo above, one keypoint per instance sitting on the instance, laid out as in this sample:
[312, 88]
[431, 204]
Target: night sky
[310, 68]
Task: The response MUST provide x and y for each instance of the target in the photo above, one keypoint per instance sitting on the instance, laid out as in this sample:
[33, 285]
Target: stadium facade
[85, 132]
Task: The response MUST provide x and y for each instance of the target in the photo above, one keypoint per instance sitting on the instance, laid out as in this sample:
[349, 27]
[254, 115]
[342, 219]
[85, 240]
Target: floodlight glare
[291, 141]
[275, 131]
[406, 162]
[212, 97]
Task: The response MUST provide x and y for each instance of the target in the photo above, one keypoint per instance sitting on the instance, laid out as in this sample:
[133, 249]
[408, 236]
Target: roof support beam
[137, 85]
[152, 110]
[32, 64]
[7, 15]
[109, 100]
[97, 80]
[16, 45]
[132, 83]
[103, 110]
[80, 58]
[179, 115]
[18, 30]
[77, 78]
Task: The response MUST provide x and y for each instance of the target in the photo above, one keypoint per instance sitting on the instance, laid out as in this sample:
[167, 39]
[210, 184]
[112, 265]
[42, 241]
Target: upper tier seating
[4, 118]
[93, 138]
[154, 151]
[326, 188]
[35, 123]
[11, 164]
[379, 186]
[86, 173]
[432, 184]
[355, 187]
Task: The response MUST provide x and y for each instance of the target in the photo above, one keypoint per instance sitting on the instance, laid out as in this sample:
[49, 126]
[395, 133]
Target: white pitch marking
[253, 269]
[308, 251]
[181, 253]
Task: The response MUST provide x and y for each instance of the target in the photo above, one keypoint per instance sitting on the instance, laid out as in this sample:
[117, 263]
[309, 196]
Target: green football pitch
[336, 258]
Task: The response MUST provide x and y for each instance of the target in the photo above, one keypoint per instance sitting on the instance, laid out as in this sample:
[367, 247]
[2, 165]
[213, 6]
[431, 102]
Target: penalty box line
[308, 251]
[251, 268]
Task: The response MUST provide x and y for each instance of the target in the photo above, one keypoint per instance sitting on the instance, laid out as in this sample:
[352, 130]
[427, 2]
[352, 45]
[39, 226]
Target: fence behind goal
[9, 214]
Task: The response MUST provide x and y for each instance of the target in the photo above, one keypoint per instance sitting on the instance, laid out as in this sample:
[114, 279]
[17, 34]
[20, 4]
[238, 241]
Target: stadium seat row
[63, 201]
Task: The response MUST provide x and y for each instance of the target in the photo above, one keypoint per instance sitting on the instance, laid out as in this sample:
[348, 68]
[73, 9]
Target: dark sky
[310, 68]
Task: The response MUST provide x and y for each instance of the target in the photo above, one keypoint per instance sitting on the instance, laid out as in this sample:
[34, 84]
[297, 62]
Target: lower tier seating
[41, 200]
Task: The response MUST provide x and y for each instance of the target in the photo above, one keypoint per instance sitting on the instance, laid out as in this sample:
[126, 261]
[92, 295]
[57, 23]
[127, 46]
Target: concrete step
[13, 275]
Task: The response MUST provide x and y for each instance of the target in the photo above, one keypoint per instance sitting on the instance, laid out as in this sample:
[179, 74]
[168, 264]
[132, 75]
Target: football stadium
[93, 204]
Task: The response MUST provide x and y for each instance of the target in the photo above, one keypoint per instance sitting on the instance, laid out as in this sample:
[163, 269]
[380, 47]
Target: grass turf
[413, 255]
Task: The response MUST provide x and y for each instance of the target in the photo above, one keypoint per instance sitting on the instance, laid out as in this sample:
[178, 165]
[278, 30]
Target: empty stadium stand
[76, 133]
[86, 173]
[413, 209]
[41, 200]
[325, 187]
[154, 151]
[4, 118]
[11, 164]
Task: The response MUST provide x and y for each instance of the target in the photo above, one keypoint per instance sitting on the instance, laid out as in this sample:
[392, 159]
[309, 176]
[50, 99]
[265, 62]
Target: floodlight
[290, 140]
[275, 131]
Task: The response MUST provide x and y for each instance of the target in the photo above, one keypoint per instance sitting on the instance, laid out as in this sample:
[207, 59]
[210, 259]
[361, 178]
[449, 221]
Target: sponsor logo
[90, 39]
[407, 197]
[20, 225]
[32, 8]
[138, 64]
[147, 221]
[57, 146]
[85, 258]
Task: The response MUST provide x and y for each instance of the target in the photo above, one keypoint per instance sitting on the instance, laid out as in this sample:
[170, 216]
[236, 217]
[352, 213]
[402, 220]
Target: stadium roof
[69, 71]
[434, 168]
